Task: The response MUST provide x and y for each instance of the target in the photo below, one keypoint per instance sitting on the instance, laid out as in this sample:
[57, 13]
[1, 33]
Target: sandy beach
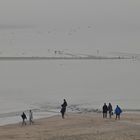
[84, 126]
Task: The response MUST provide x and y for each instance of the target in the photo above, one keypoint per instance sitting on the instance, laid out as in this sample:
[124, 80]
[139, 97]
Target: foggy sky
[99, 24]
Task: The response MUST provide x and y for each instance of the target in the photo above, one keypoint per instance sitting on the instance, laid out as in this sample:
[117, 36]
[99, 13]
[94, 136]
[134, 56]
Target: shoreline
[125, 115]
[75, 126]
[14, 119]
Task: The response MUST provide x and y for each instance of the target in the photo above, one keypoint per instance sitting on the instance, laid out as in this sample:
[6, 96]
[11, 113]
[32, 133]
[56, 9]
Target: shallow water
[86, 84]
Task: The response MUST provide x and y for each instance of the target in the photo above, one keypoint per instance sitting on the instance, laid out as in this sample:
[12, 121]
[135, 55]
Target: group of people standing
[106, 109]
[109, 109]
[24, 118]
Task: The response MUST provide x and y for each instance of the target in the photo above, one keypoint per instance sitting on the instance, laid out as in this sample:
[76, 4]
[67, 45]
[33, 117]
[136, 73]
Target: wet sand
[84, 126]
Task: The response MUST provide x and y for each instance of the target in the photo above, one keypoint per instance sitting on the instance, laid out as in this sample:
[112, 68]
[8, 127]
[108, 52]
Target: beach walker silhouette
[118, 111]
[110, 110]
[30, 117]
[105, 109]
[63, 109]
[23, 116]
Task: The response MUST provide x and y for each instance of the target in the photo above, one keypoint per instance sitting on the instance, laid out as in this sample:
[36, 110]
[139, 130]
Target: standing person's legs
[23, 122]
[110, 114]
[31, 121]
[63, 112]
[116, 116]
[63, 115]
[119, 116]
[106, 115]
[103, 115]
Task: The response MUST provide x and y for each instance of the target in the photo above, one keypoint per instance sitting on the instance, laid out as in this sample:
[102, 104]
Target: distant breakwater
[62, 58]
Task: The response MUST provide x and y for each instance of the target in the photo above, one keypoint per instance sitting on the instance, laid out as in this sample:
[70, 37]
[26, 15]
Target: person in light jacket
[30, 117]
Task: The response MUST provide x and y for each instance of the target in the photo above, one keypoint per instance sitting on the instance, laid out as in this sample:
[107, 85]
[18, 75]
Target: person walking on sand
[63, 109]
[105, 109]
[110, 110]
[118, 111]
[23, 116]
[30, 117]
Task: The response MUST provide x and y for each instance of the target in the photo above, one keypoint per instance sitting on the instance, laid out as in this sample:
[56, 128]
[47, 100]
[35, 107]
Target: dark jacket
[110, 108]
[23, 116]
[64, 105]
[118, 110]
[105, 108]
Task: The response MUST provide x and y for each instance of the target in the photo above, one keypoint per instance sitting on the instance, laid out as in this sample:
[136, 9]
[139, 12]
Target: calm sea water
[86, 84]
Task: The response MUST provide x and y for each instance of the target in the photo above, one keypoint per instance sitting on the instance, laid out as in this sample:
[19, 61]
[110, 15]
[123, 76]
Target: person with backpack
[63, 109]
[23, 116]
[118, 111]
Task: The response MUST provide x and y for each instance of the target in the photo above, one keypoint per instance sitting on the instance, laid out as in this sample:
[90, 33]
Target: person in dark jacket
[63, 109]
[105, 109]
[110, 109]
[118, 111]
[23, 116]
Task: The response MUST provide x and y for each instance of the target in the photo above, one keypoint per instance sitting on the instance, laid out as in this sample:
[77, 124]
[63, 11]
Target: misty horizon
[77, 25]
